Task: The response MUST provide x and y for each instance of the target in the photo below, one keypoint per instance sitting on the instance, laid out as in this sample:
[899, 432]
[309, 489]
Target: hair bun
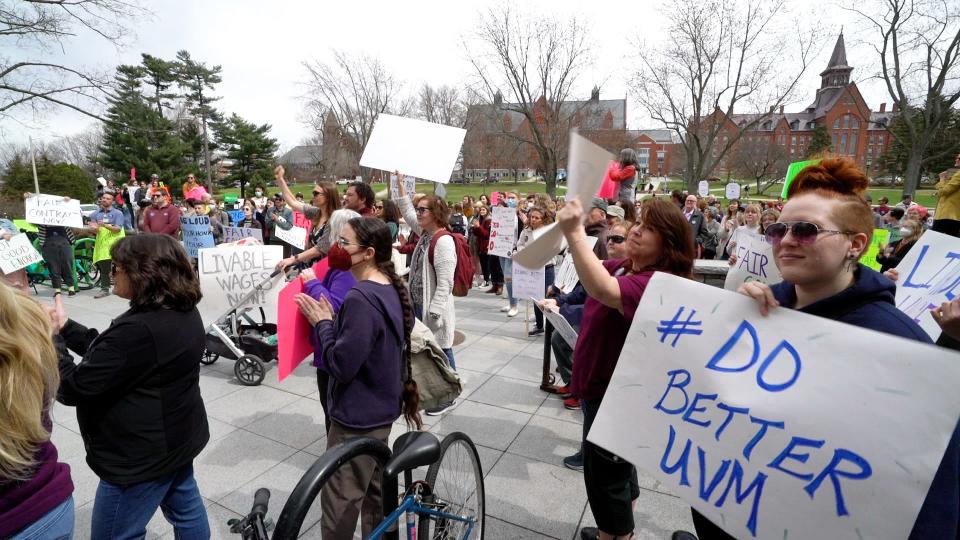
[836, 174]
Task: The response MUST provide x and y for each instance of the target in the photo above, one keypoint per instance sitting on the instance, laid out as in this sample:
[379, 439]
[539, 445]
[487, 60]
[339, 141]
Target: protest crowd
[381, 276]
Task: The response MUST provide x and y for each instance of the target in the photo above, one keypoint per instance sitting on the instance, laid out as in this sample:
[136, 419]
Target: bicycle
[85, 272]
[438, 507]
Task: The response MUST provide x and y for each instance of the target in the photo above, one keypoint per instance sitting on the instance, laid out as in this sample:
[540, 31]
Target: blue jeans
[449, 353]
[418, 313]
[125, 511]
[56, 524]
[506, 263]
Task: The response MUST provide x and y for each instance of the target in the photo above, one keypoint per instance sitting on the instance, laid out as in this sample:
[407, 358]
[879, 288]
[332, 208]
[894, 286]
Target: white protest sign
[528, 282]
[566, 275]
[585, 171]
[17, 253]
[228, 273]
[197, 234]
[929, 276]
[233, 234]
[131, 194]
[296, 236]
[422, 149]
[409, 186]
[754, 263]
[782, 426]
[733, 190]
[53, 210]
[703, 188]
[503, 231]
[562, 326]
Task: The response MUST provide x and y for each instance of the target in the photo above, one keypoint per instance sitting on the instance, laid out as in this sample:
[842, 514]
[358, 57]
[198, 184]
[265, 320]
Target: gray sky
[261, 47]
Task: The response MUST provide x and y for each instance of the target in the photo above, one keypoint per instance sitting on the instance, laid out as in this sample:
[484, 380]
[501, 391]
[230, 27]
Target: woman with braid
[366, 355]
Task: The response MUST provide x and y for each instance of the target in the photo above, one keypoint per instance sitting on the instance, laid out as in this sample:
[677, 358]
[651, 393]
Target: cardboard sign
[132, 194]
[17, 253]
[236, 216]
[869, 257]
[53, 210]
[301, 220]
[929, 276]
[197, 234]
[293, 331]
[703, 188]
[409, 186]
[296, 236]
[503, 231]
[587, 168]
[785, 426]
[528, 282]
[562, 326]
[229, 273]
[234, 234]
[566, 277]
[792, 171]
[754, 263]
[494, 198]
[733, 190]
[422, 149]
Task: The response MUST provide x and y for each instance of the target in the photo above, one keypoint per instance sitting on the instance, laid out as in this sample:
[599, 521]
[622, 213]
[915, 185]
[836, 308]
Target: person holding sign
[324, 202]
[279, 216]
[661, 242]
[366, 352]
[537, 217]
[825, 227]
[107, 222]
[137, 392]
[249, 220]
[890, 256]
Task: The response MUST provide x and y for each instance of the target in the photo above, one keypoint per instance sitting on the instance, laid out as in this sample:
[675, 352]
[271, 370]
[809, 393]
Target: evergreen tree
[159, 75]
[135, 135]
[820, 142]
[54, 178]
[941, 150]
[250, 148]
[199, 81]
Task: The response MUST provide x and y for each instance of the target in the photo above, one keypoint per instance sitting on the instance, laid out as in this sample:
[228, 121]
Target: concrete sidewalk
[269, 435]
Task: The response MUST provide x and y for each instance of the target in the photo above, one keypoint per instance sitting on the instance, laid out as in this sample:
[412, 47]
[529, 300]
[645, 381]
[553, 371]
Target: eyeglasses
[315, 193]
[616, 239]
[422, 210]
[804, 232]
[343, 242]
[379, 207]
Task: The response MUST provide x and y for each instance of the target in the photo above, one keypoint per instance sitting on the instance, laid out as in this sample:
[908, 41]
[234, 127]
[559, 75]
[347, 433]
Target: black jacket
[698, 228]
[137, 392]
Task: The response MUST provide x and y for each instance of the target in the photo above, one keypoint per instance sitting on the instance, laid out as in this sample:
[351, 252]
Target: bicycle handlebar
[261, 499]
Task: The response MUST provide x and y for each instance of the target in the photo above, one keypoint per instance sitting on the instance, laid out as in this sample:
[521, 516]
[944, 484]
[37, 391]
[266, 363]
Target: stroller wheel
[208, 357]
[249, 370]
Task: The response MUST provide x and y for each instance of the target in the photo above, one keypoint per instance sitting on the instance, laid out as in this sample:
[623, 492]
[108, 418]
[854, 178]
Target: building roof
[308, 155]
[490, 117]
[880, 121]
[838, 60]
[826, 98]
[661, 136]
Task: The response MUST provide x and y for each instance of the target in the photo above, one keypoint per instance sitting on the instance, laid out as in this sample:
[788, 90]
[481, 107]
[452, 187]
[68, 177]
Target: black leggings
[496, 271]
[58, 253]
[104, 267]
[611, 482]
[484, 266]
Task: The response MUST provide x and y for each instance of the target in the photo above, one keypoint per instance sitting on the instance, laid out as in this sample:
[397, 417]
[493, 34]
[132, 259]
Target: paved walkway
[269, 435]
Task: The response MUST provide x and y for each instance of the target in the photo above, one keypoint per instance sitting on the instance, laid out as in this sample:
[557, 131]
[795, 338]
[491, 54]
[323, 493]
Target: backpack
[463, 275]
[458, 224]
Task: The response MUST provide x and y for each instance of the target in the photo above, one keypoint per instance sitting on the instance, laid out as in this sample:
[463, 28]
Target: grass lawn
[455, 192]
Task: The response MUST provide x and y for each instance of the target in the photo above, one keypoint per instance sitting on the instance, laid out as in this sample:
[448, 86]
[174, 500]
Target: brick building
[856, 130]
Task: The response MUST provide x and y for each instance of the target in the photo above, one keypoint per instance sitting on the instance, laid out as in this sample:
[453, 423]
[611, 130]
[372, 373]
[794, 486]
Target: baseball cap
[616, 211]
[597, 202]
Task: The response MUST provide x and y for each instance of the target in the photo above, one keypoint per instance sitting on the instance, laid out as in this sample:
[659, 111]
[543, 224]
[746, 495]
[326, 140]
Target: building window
[643, 157]
[846, 121]
[853, 144]
[793, 140]
[833, 144]
[836, 124]
[843, 144]
[856, 123]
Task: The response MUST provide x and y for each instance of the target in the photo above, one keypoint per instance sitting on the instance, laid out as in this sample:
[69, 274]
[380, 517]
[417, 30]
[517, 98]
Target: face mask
[339, 258]
[511, 203]
[529, 205]
[259, 193]
[906, 231]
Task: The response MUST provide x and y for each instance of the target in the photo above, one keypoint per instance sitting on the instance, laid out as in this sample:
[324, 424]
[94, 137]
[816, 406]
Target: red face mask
[339, 258]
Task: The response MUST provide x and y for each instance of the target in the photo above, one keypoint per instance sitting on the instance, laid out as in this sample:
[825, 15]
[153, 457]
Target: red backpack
[463, 275]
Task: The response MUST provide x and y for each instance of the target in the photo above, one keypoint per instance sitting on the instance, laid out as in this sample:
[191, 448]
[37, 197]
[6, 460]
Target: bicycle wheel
[87, 273]
[456, 482]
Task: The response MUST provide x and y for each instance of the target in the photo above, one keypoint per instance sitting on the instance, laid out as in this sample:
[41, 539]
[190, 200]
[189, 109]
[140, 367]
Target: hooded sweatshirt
[362, 353]
[869, 303]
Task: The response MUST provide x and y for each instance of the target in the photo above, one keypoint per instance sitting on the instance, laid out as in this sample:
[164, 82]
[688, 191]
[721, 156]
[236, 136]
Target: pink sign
[494, 198]
[196, 193]
[320, 268]
[293, 331]
[300, 220]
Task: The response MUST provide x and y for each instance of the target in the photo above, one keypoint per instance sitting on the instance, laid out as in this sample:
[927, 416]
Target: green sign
[24, 226]
[793, 171]
[869, 258]
[230, 198]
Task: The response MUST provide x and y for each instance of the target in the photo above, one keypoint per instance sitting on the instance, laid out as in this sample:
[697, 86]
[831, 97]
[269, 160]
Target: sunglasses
[616, 238]
[804, 232]
[379, 207]
[315, 193]
[422, 210]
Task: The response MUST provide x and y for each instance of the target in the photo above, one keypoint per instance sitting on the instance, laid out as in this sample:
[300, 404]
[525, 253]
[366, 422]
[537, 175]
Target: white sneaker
[505, 309]
[512, 312]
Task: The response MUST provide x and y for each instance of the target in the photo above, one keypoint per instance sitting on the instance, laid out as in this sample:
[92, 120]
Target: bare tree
[352, 91]
[918, 44]
[721, 55]
[441, 105]
[536, 60]
[29, 28]
[761, 160]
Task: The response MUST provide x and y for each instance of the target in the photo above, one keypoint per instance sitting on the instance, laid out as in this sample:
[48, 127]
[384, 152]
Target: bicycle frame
[414, 508]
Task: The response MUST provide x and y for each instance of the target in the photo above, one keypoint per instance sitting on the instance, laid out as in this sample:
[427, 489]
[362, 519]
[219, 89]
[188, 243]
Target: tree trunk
[206, 154]
[550, 178]
[911, 178]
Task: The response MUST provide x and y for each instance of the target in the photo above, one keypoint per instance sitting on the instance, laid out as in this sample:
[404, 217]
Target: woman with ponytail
[825, 227]
[366, 353]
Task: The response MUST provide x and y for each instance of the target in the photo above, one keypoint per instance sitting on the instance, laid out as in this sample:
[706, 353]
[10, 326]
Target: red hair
[841, 180]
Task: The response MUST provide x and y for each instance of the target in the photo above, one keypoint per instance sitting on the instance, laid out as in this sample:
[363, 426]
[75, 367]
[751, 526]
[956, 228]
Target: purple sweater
[362, 353]
[335, 286]
[22, 503]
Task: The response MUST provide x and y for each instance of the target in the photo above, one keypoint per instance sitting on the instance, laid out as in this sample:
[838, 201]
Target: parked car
[342, 182]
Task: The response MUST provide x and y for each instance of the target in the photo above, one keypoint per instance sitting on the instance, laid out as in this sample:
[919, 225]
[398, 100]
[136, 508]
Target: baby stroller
[239, 337]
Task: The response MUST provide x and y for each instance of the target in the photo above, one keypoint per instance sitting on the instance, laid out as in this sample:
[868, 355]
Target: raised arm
[406, 208]
[593, 275]
[292, 201]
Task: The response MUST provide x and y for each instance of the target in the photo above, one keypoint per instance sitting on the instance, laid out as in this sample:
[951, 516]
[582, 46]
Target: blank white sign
[413, 147]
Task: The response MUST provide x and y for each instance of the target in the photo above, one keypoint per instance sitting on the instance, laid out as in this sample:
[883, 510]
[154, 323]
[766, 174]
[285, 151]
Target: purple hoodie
[335, 286]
